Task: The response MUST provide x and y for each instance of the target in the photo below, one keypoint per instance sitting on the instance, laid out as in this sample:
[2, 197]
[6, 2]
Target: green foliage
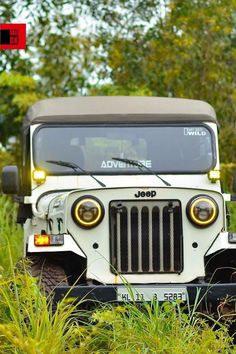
[57, 55]
[228, 144]
[160, 48]
[186, 49]
[232, 210]
[227, 173]
[112, 90]
[11, 235]
[28, 326]
[27, 322]
[18, 93]
[151, 329]
[6, 158]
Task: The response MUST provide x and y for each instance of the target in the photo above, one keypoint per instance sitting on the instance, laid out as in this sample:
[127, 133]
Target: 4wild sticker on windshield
[195, 131]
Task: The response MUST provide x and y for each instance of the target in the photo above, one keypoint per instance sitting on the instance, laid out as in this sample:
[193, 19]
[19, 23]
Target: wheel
[49, 273]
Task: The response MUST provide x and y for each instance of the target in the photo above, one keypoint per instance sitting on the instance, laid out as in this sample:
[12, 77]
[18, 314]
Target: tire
[49, 273]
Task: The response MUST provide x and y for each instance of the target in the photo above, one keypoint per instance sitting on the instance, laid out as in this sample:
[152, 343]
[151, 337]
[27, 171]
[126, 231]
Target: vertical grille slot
[146, 236]
[134, 240]
[156, 238]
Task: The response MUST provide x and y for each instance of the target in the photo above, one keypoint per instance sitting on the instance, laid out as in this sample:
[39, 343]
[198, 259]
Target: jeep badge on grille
[150, 194]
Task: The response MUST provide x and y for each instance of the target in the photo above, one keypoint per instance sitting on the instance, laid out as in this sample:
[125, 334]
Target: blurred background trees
[174, 48]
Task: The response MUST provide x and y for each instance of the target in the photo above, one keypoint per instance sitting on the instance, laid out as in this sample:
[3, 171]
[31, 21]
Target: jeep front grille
[146, 236]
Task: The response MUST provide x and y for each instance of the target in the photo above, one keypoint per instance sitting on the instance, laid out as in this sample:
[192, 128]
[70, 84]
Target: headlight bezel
[192, 204]
[75, 209]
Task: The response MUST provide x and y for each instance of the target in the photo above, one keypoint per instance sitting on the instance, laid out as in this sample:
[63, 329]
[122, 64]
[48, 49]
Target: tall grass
[11, 235]
[232, 210]
[152, 328]
[27, 324]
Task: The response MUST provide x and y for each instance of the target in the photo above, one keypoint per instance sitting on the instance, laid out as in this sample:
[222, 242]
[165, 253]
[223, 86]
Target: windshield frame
[133, 172]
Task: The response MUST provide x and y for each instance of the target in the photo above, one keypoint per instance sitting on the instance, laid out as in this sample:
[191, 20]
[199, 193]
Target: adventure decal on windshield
[120, 164]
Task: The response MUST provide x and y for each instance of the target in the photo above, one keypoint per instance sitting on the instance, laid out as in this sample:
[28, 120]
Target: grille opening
[178, 240]
[123, 240]
[145, 239]
[156, 238]
[146, 236]
[166, 239]
[134, 238]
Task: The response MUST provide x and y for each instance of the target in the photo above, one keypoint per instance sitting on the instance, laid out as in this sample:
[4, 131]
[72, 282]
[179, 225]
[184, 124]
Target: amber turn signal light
[48, 240]
[41, 240]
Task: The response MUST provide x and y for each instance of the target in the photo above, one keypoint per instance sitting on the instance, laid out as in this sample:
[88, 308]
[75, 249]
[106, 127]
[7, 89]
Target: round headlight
[87, 212]
[202, 210]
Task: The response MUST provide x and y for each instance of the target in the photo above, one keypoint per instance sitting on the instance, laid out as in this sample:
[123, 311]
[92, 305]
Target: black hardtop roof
[111, 109]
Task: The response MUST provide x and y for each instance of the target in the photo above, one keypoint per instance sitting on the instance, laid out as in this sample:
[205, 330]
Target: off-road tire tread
[49, 273]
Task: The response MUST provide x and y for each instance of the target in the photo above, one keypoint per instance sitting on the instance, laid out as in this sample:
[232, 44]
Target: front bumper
[194, 293]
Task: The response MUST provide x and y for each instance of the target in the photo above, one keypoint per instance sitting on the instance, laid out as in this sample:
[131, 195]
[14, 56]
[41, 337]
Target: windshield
[164, 149]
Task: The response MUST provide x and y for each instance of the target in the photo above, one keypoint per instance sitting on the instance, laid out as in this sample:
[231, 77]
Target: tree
[52, 65]
[18, 92]
[176, 48]
[54, 56]
[186, 50]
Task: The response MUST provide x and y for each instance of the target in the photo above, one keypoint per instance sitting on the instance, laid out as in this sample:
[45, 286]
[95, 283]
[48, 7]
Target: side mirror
[10, 180]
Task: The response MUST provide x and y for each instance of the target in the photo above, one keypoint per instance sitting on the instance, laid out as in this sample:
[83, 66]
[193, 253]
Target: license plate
[151, 293]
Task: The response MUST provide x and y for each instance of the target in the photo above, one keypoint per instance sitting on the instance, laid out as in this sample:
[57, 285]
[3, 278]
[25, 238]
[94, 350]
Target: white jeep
[118, 190]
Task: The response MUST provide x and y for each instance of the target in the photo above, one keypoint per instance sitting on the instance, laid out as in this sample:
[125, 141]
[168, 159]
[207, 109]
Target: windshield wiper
[74, 167]
[141, 166]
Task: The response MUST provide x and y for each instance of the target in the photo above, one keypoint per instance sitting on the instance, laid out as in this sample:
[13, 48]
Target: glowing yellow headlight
[39, 176]
[202, 210]
[87, 212]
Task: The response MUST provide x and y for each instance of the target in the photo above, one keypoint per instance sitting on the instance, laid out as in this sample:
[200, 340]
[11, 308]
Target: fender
[220, 243]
